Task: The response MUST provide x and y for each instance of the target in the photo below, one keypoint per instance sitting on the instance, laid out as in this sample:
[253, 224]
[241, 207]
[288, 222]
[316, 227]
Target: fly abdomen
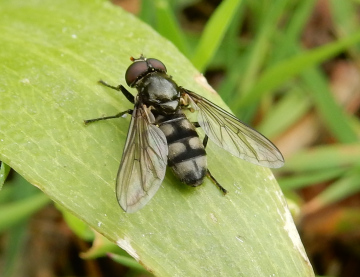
[186, 155]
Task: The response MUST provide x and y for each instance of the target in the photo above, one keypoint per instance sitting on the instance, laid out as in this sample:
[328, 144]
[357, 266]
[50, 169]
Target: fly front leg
[87, 121]
[126, 93]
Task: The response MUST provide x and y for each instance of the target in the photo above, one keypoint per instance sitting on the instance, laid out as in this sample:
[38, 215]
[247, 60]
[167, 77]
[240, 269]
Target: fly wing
[143, 164]
[233, 135]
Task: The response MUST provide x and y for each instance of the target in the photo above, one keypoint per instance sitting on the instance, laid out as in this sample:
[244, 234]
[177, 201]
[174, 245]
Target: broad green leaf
[80, 228]
[53, 54]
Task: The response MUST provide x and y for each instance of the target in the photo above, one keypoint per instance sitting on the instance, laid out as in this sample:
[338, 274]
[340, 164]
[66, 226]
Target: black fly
[160, 134]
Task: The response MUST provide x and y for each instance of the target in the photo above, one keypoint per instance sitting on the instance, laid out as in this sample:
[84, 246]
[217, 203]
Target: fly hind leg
[208, 173]
[220, 187]
[206, 138]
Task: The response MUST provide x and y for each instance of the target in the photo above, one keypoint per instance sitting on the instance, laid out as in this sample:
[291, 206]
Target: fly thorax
[161, 92]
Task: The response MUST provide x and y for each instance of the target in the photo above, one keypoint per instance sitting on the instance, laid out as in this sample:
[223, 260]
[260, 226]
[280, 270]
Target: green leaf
[53, 54]
[4, 171]
[80, 228]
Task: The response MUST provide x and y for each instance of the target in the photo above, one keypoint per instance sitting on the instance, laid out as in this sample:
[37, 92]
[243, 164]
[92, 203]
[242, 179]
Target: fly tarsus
[220, 187]
[87, 121]
[126, 93]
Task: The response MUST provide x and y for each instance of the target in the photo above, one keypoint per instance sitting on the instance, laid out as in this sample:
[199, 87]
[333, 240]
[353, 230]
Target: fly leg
[220, 187]
[206, 138]
[205, 141]
[126, 93]
[87, 121]
[208, 173]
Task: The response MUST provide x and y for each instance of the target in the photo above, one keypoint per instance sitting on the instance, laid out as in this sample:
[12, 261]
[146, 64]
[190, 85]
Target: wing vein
[234, 136]
[144, 161]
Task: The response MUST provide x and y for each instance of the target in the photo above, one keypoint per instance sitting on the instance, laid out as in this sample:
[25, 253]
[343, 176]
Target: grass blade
[214, 32]
[291, 67]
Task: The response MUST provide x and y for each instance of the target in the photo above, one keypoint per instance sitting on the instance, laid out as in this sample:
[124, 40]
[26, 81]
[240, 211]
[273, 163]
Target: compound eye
[157, 64]
[134, 71]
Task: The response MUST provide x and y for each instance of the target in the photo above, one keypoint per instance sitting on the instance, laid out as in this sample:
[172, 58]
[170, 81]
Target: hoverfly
[160, 134]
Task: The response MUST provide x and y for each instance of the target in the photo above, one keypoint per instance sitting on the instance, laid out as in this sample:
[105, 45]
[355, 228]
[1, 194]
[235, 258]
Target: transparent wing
[143, 164]
[233, 135]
